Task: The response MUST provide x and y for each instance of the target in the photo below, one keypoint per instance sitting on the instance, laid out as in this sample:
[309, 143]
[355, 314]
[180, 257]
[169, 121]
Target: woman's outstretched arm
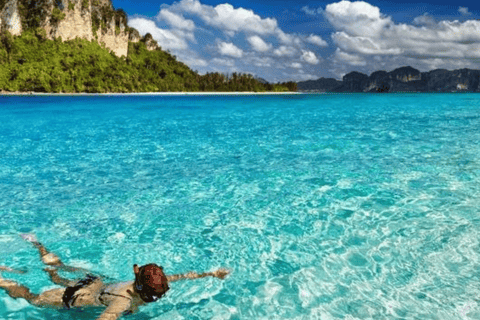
[220, 273]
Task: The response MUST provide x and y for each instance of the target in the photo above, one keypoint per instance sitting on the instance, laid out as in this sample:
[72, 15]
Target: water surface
[349, 206]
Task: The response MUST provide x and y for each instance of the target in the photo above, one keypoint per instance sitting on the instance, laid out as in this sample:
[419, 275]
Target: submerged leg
[48, 258]
[51, 259]
[16, 290]
[53, 273]
[8, 269]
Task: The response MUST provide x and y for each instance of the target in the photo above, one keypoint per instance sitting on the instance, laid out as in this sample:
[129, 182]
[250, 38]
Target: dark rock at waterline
[353, 82]
[448, 81]
[405, 79]
[325, 85]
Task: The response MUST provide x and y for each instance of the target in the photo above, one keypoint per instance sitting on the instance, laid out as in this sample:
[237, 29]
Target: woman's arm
[116, 308]
[220, 273]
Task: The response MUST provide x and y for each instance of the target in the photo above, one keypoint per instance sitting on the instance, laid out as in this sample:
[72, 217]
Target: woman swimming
[119, 298]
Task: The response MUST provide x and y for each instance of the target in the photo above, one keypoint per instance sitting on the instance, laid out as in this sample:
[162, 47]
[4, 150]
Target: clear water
[322, 206]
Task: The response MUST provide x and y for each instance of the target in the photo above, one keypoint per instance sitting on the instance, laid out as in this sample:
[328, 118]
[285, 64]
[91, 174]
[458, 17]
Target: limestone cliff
[150, 42]
[10, 18]
[405, 79]
[70, 19]
[76, 23]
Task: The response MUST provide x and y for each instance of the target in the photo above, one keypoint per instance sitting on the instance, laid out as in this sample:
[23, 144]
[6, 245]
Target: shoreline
[6, 93]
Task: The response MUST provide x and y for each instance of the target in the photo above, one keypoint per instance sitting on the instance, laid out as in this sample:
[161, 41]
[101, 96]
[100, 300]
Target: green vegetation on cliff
[31, 62]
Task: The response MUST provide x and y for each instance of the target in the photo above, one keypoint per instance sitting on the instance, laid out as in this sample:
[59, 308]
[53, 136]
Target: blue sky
[301, 40]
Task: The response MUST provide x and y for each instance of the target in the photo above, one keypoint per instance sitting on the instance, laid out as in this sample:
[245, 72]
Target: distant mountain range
[405, 79]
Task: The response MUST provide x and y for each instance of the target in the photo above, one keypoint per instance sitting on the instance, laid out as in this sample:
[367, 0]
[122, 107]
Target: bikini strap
[100, 296]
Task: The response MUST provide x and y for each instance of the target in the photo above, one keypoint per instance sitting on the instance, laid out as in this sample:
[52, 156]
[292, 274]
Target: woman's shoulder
[118, 287]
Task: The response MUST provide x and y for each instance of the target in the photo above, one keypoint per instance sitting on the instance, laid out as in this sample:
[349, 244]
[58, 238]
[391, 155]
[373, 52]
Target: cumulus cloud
[363, 31]
[309, 57]
[424, 19]
[317, 40]
[296, 65]
[285, 51]
[437, 63]
[258, 44]
[364, 45]
[464, 11]
[166, 39]
[196, 62]
[223, 62]
[312, 11]
[357, 18]
[226, 17]
[264, 62]
[286, 38]
[351, 59]
[229, 49]
[175, 20]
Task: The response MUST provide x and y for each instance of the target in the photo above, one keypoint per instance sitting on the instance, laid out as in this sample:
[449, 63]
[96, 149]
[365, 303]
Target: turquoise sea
[352, 206]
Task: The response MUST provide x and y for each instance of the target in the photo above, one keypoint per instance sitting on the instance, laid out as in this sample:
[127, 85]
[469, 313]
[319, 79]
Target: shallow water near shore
[351, 206]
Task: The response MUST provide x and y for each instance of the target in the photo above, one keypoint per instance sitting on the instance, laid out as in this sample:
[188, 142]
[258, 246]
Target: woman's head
[150, 282]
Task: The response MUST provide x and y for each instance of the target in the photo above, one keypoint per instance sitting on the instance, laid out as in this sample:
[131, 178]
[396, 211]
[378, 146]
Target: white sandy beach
[148, 93]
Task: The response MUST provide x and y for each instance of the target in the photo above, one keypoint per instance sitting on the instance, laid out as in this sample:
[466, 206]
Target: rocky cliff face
[70, 19]
[406, 79]
[322, 84]
[77, 22]
[150, 42]
[448, 81]
[10, 17]
[354, 81]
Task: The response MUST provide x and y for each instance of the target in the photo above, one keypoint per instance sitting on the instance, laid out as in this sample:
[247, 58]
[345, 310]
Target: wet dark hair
[150, 282]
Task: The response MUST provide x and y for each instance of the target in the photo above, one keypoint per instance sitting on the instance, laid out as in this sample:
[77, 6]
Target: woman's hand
[221, 273]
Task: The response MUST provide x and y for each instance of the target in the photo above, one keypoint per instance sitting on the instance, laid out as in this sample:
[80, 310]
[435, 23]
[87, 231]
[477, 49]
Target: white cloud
[363, 31]
[296, 65]
[261, 62]
[258, 44]
[175, 20]
[226, 17]
[222, 62]
[312, 11]
[357, 18]
[285, 51]
[446, 64]
[229, 49]
[317, 40]
[464, 11]
[351, 59]
[364, 45]
[424, 19]
[165, 38]
[195, 62]
[288, 38]
[309, 57]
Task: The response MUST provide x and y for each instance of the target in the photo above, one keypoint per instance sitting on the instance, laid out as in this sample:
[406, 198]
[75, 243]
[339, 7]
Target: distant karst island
[404, 79]
[86, 46]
